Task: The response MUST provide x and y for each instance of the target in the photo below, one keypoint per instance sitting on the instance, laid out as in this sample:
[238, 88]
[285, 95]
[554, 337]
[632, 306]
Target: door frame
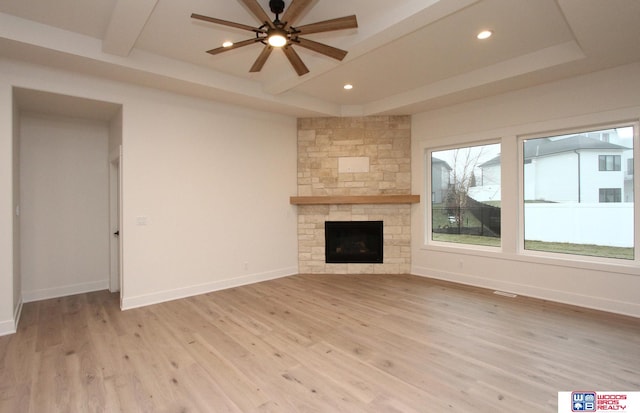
[115, 221]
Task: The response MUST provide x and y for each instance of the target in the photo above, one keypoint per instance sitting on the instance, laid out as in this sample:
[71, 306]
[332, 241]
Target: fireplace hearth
[354, 242]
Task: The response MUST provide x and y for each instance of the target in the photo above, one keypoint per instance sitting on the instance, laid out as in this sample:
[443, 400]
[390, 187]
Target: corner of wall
[129, 303]
[11, 326]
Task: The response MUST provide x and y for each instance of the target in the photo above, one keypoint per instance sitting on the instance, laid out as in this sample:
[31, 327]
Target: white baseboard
[17, 313]
[563, 297]
[55, 292]
[169, 295]
[7, 327]
[11, 326]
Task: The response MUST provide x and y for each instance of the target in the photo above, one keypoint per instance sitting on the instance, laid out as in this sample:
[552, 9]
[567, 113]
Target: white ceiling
[405, 56]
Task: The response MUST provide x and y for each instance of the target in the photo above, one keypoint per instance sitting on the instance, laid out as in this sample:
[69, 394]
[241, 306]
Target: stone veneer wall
[386, 142]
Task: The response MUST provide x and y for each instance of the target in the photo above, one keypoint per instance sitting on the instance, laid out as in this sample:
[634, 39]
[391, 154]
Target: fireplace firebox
[353, 242]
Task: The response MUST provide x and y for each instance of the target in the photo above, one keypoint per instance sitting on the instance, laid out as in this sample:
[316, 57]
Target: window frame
[568, 257]
[428, 240]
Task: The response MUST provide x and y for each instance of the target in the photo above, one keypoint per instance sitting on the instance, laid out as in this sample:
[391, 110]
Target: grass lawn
[580, 249]
[556, 247]
[467, 239]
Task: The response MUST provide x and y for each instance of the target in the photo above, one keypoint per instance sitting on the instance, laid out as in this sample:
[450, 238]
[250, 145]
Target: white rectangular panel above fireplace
[353, 164]
[354, 169]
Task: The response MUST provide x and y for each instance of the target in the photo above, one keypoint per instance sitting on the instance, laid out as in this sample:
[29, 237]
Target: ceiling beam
[126, 24]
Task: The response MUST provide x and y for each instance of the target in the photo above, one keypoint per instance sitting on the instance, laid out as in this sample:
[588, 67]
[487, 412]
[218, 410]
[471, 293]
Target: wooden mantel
[354, 199]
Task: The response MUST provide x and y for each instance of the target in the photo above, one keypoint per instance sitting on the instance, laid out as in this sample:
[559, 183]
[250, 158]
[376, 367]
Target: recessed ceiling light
[227, 44]
[485, 34]
[348, 86]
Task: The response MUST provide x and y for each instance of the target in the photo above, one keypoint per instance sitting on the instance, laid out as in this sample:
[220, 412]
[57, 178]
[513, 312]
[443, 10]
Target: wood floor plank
[314, 343]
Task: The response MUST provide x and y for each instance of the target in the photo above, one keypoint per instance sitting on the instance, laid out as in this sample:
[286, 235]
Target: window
[570, 207]
[610, 195]
[609, 162]
[465, 195]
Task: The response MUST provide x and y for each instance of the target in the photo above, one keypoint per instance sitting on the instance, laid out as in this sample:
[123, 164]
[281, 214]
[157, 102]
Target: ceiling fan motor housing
[276, 6]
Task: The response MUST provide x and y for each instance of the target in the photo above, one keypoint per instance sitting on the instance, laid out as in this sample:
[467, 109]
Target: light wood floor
[320, 343]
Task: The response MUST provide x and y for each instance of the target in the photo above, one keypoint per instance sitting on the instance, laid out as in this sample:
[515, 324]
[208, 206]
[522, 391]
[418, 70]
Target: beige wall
[64, 206]
[115, 133]
[212, 182]
[585, 101]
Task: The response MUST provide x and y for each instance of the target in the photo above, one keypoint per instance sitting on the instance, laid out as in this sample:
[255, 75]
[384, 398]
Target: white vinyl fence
[608, 224]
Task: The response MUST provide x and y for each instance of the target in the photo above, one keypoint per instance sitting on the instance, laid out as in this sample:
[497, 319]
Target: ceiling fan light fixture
[277, 38]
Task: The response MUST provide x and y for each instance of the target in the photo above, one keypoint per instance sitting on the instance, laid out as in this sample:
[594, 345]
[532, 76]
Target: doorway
[57, 258]
[115, 281]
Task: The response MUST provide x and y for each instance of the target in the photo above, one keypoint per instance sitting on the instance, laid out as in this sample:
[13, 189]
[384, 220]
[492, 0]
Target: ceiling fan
[281, 34]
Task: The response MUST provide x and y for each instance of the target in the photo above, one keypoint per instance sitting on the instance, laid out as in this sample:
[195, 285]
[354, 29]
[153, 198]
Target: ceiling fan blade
[295, 60]
[223, 22]
[322, 48]
[218, 50]
[258, 11]
[347, 22]
[260, 61]
[294, 11]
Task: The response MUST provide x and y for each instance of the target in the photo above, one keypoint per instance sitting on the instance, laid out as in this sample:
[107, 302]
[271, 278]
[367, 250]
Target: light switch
[141, 220]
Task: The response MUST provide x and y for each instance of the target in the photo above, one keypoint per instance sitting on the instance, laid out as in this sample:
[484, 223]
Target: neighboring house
[488, 188]
[578, 168]
[490, 172]
[440, 180]
[574, 169]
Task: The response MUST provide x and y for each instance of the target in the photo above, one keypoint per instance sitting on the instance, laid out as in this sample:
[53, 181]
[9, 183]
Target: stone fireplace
[360, 162]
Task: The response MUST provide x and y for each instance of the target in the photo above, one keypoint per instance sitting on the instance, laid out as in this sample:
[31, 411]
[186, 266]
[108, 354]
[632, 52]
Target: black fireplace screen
[353, 241]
